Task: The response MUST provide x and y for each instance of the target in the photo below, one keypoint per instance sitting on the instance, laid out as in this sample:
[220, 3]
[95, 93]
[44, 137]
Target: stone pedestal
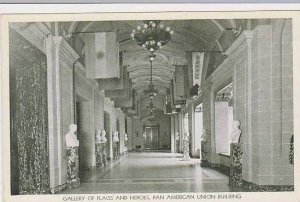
[98, 155]
[125, 151]
[177, 146]
[125, 147]
[104, 156]
[101, 159]
[73, 180]
[116, 150]
[204, 161]
[186, 151]
[236, 152]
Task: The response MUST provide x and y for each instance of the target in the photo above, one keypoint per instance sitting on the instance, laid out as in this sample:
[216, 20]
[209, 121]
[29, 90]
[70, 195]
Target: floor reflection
[154, 173]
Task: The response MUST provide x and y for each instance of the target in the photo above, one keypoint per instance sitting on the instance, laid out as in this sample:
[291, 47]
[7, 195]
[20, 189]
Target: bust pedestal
[204, 161]
[236, 152]
[116, 152]
[73, 180]
[177, 146]
[101, 160]
[186, 151]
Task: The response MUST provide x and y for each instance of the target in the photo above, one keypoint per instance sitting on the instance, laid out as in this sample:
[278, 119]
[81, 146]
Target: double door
[151, 138]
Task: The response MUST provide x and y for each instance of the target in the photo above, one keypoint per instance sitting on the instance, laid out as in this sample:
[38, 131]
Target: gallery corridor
[114, 106]
[153, 173]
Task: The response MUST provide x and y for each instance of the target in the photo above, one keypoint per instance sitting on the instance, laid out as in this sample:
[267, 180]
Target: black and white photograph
[170, 105]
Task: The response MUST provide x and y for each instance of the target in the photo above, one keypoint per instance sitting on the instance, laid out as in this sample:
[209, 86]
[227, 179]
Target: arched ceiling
[189, 35]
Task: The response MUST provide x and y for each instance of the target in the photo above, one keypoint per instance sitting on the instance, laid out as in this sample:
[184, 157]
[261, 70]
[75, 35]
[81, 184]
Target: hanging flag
[197, 62]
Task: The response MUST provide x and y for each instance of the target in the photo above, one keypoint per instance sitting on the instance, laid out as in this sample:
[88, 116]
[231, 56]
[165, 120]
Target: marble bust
[236, 132]
[98, 136]
[103, 136]
[125, 137]
[116, 136]
[186, 136]
[177, 135]
[71, 139]
[204, 135]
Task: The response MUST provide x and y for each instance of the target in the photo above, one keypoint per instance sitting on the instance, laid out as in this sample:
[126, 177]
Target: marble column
[60, 59]
[54, 118]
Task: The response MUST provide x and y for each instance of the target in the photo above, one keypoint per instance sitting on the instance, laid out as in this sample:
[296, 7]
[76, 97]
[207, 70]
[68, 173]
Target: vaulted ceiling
[209, 35]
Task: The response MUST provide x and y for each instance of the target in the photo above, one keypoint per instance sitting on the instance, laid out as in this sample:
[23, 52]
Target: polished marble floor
[153, 173]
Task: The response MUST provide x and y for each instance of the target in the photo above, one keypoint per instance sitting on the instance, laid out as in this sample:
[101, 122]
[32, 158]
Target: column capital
[245, 36]
[34, 32]
[64, 50]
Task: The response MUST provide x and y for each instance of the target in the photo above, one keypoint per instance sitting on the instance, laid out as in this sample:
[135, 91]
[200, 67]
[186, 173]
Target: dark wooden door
[151, 138]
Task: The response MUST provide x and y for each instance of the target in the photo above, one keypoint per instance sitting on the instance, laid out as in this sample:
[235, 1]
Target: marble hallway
[152, 172]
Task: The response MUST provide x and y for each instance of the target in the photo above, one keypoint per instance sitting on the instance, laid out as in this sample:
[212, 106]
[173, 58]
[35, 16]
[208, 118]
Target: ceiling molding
[215, 22]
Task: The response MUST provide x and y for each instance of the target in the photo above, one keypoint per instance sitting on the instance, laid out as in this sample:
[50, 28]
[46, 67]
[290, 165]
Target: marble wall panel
[29, 118]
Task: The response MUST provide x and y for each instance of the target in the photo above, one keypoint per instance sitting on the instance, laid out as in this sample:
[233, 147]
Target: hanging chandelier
[151, 91]
[151, 107]
[152, 35]
[151, 116]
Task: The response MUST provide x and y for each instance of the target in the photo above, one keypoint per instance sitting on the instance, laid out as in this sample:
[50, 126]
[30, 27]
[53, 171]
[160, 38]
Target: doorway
[151, 138]
[223, 119]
